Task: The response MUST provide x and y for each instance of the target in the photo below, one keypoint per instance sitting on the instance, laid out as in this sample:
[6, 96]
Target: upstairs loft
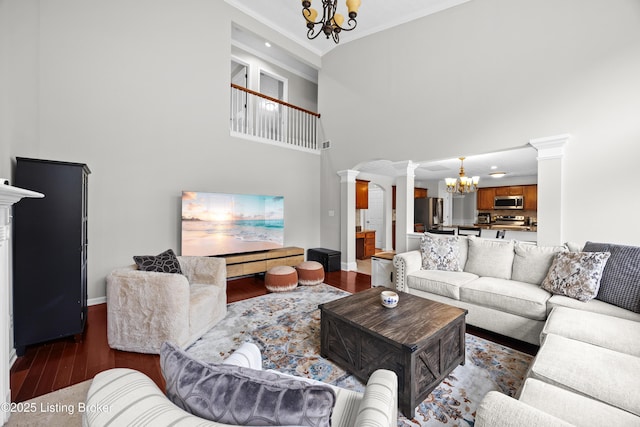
[269, 120]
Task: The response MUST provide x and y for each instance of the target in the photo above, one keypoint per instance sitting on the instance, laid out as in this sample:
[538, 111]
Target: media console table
[260, 262]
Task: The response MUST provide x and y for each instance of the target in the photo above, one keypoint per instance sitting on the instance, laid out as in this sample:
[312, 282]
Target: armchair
[145, 308]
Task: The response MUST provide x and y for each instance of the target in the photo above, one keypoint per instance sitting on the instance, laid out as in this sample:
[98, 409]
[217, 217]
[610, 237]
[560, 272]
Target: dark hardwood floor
[57, 364]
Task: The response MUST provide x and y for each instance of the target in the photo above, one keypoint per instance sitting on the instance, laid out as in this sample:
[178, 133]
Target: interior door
[374, 216]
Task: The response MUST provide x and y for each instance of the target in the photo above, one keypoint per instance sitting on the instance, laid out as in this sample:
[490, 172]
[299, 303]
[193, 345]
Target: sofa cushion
[602, 374]
[620, 284]
[492, 258]
[576, 274]
[166, 262]
[445, 283]
[520, 298]
[594, 305]
[440, 253]
[243, 396]
[598, 329]
[572, 407]
[531, 262]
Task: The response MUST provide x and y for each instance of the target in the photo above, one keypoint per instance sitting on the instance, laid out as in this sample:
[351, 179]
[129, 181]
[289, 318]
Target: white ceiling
[516, 163]
[285, 16]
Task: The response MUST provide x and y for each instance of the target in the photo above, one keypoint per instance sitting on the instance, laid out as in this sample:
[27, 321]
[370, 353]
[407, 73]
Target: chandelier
[331, 22]
[463, 184]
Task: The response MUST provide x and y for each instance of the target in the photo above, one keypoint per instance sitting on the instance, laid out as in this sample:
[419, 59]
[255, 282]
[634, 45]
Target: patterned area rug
[286, 327]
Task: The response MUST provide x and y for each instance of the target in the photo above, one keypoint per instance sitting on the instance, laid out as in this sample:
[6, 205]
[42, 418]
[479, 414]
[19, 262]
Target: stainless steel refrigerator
[429, 211]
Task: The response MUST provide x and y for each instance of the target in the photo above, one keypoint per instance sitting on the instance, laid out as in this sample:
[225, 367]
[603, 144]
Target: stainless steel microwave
[508, 202]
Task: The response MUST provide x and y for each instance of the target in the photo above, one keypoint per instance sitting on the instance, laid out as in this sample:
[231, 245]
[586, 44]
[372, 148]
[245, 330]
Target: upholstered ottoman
[281, 279]
[310, 273]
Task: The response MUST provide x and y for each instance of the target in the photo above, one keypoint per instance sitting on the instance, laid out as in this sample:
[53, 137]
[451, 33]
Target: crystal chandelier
[463, 184]
[331, 22]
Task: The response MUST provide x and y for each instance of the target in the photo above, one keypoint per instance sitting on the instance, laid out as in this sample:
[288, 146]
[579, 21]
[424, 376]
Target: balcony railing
[271, 120]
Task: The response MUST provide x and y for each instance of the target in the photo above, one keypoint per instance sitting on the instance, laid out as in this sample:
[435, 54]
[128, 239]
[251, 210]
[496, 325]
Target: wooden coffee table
[421, 340]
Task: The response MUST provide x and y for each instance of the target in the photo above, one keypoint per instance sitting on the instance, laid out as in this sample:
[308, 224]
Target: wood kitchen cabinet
[419, 193]
[485, 198]
[365, 244]
[530, 197]
[362, 194]
[515, 190]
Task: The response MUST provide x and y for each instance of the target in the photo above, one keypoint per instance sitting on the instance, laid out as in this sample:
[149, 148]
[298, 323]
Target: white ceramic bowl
[389, 299]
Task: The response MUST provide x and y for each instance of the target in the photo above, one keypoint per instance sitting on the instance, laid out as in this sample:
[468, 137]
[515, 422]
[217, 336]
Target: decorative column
[550, 154]
[348, 219]
[9, 195]
[405, 184]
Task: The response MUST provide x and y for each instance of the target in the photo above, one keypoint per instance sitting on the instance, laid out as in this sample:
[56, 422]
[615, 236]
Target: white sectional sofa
[587, 370]
[499, 285]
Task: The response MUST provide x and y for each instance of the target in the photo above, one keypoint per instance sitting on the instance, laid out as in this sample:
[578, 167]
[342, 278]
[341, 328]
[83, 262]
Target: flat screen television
[223, 224]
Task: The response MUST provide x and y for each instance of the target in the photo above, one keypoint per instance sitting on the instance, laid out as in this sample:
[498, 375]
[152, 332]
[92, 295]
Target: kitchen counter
[507, 227]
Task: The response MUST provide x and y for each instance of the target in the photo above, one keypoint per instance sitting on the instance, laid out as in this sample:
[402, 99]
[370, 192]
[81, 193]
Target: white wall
[139, 90]
[491, 75]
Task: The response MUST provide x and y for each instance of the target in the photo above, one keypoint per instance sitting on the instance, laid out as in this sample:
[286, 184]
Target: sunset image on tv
[220, 223]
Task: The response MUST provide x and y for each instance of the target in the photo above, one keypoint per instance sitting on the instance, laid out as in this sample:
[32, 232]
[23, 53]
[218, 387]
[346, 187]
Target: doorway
[374, 216]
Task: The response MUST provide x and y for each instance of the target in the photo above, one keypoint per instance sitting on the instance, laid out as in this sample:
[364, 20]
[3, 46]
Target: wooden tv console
[260, 262]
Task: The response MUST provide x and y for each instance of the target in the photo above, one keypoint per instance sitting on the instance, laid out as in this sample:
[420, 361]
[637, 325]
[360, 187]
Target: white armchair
[133, 398]
[145, 308]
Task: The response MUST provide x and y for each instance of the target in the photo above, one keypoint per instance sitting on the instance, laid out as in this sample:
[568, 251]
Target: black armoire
[50, 252]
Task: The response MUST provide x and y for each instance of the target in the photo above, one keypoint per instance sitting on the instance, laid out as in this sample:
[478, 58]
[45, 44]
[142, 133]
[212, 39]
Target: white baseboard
[96, 301]
[349, 266]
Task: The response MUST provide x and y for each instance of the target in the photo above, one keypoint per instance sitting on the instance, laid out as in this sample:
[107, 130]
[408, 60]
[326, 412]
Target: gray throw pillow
[576, 274]
[531, 262]
[620, 283]
[242, 396]
[440, 253]
[490, 258]
[166, 262]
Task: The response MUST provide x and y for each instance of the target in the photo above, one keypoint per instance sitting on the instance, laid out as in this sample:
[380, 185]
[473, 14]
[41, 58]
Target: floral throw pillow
[440, 253]
[576, 274]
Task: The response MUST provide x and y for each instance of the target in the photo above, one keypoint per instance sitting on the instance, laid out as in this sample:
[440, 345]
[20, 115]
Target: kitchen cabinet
[365, 244]
[50, 252]
[362, 194]
[515, 190]
[485, 198]
[530, 197]
[419, 193]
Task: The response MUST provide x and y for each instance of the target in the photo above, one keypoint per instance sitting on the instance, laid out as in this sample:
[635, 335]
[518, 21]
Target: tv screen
[222, 224]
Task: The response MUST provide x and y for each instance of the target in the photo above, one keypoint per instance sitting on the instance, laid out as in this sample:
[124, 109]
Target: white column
[348, 219]
[405, 184]
[8, 196]
[550, 154]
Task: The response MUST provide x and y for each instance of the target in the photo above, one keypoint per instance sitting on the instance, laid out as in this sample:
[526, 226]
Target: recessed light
[494, 167]
[267, 44]
[497, 174]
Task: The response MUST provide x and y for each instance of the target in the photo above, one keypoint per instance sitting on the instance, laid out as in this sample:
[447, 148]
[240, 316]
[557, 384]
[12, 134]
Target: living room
[140, 92]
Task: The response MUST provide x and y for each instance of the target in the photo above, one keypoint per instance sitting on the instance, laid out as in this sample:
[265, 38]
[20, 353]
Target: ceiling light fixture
[497, 174]
[331, 22]
[463, 184]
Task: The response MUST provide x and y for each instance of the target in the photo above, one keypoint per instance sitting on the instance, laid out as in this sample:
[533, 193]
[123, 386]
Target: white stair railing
[268, 119]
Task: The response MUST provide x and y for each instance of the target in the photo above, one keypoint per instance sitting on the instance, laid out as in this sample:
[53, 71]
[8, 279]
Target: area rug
[286, 327]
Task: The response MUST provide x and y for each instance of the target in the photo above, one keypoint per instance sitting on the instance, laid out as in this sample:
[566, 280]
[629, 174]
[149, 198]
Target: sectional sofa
[580, 304]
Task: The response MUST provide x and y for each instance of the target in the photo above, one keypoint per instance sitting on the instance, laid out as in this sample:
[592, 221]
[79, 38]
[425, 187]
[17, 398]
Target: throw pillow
[242, 396]
[166, 262]
[440, 253]
[620, 284]
[490, 258]
[576, 274]
[531, 262]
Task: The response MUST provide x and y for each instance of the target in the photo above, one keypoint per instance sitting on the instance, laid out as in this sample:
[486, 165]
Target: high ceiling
[285, 16]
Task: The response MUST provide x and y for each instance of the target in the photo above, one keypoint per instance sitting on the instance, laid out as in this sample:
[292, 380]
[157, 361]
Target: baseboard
[96, 301]
[349, 266]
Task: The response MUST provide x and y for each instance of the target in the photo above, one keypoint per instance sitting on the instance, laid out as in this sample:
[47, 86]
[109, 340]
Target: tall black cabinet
[50, 252]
